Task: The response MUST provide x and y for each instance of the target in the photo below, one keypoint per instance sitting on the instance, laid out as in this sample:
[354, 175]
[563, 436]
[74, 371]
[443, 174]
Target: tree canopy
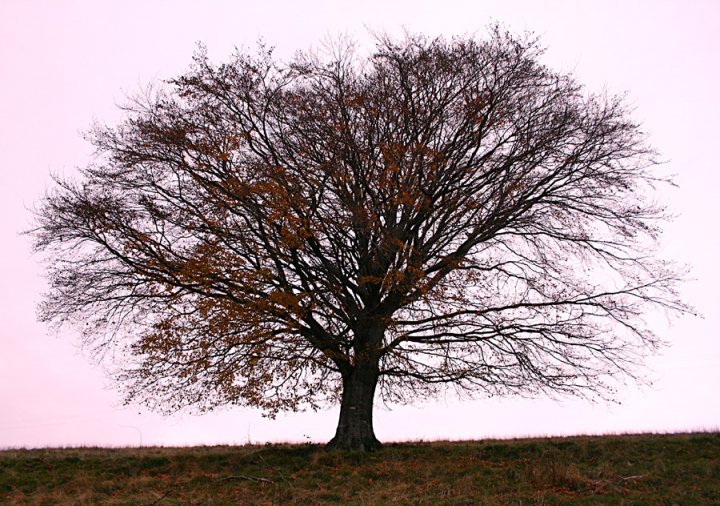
[443, 212]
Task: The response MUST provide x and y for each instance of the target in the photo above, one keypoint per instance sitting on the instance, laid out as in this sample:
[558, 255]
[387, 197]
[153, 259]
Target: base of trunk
[355, 426]
[349, 442]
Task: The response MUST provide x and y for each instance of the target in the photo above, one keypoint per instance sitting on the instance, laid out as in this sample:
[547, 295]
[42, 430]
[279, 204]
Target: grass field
[600, 470]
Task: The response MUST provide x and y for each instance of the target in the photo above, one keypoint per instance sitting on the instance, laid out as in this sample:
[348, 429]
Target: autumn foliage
[340, 228]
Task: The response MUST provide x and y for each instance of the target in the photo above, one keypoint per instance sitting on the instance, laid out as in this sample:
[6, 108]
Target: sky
[65, 64]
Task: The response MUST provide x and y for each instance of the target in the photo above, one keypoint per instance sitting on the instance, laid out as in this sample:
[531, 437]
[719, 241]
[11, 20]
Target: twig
[635, 477]
[159, 498]
[273, 468]
[244, 477]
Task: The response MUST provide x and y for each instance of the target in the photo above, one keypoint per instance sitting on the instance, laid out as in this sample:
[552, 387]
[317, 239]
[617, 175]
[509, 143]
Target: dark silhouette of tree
[441, 213]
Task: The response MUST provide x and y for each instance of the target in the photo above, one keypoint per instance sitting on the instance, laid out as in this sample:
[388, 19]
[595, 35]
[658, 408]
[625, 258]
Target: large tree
[442, 212]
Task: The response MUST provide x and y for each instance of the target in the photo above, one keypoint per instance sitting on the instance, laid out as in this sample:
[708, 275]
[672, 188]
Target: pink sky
[65, 63]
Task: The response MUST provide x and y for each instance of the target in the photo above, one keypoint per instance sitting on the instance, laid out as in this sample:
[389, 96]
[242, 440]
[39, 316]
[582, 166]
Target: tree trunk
[355, 427]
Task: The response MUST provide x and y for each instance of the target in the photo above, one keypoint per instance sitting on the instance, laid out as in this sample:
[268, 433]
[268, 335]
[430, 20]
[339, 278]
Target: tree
[442, 213]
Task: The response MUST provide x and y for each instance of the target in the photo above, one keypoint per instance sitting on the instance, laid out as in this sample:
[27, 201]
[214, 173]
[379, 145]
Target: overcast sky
[64, 64]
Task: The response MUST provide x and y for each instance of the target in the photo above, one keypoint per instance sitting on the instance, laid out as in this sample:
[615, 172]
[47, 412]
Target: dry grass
[649, 469]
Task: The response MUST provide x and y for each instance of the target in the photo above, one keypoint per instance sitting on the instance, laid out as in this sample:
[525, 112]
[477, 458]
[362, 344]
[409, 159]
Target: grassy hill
[681, 469]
